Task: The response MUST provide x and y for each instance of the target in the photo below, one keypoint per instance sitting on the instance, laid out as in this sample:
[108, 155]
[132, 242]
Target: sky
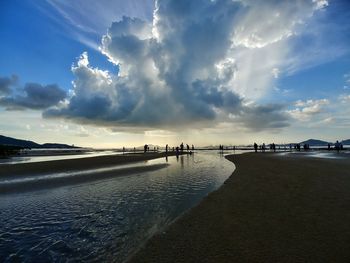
[119, 73]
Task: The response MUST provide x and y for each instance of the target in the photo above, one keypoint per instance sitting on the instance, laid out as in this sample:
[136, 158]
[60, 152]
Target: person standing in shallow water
[255, 147]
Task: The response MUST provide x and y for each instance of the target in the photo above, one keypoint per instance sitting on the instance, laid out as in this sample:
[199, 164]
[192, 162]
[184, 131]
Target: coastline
[275, 208]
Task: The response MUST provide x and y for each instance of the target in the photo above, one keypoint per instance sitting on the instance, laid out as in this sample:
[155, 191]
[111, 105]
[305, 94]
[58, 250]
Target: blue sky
[261, 71]
[36, 47]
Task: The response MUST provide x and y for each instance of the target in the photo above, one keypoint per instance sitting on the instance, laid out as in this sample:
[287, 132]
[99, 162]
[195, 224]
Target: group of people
[181, 149]
[337, 146]
[190, 149]
[147, 149]
[177, 149]
[261, 147]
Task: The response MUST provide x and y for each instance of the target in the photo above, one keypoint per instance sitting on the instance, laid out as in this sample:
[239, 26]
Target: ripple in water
[108, 219]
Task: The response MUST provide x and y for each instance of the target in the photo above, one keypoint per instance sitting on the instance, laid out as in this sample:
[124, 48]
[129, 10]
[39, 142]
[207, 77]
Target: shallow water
[319, 154]
[52, 157]
[107, 219]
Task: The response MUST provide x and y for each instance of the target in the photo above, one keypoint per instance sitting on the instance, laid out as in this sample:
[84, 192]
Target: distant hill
[346, 142]
[314, 142]
[30, 144]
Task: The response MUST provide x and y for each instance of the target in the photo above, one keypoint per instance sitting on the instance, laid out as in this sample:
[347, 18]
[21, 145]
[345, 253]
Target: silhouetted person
[123, 150]
[274, 147]
[255, 147]
[166, 148]
[329, 147]
[182, 147]
[263, 147]
[192, 147]
[145, 148]
[188, 147]
[337, 146]
[177, 151]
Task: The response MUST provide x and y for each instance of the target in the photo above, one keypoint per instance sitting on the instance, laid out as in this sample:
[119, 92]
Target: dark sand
[272, 209]
[86, 170]
[70, 165]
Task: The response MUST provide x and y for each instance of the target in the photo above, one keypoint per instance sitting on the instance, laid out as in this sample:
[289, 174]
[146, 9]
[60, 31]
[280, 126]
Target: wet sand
[273, 208]
[87, 163]
[72, 171]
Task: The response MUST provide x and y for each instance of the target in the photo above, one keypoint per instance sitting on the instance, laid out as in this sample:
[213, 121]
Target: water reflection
[107, 219]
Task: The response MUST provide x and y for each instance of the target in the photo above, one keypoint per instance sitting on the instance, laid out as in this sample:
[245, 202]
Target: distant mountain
[30, 144]
[346, 142]
[313, 142]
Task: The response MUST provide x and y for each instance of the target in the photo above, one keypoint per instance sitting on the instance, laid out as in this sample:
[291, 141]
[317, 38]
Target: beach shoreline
[273, 208]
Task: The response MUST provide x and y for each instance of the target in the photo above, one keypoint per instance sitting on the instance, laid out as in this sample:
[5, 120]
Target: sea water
[105, 220]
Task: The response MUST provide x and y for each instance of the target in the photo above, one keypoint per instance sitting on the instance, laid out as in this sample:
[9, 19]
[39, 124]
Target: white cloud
[347, 78]
[344, 98]
[87, 20]
[275, 72]
[306, 110]
[320, 3]
[197, 62]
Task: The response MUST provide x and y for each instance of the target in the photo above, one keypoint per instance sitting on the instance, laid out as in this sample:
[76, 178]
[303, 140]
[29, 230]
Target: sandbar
[273, 208]
[79, 164]
[22, 177]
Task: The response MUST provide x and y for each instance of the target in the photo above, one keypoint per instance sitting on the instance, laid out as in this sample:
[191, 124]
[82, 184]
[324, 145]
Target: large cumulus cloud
[198, 61]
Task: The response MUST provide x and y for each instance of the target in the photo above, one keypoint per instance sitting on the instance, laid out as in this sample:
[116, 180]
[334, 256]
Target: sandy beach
[274, 208]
